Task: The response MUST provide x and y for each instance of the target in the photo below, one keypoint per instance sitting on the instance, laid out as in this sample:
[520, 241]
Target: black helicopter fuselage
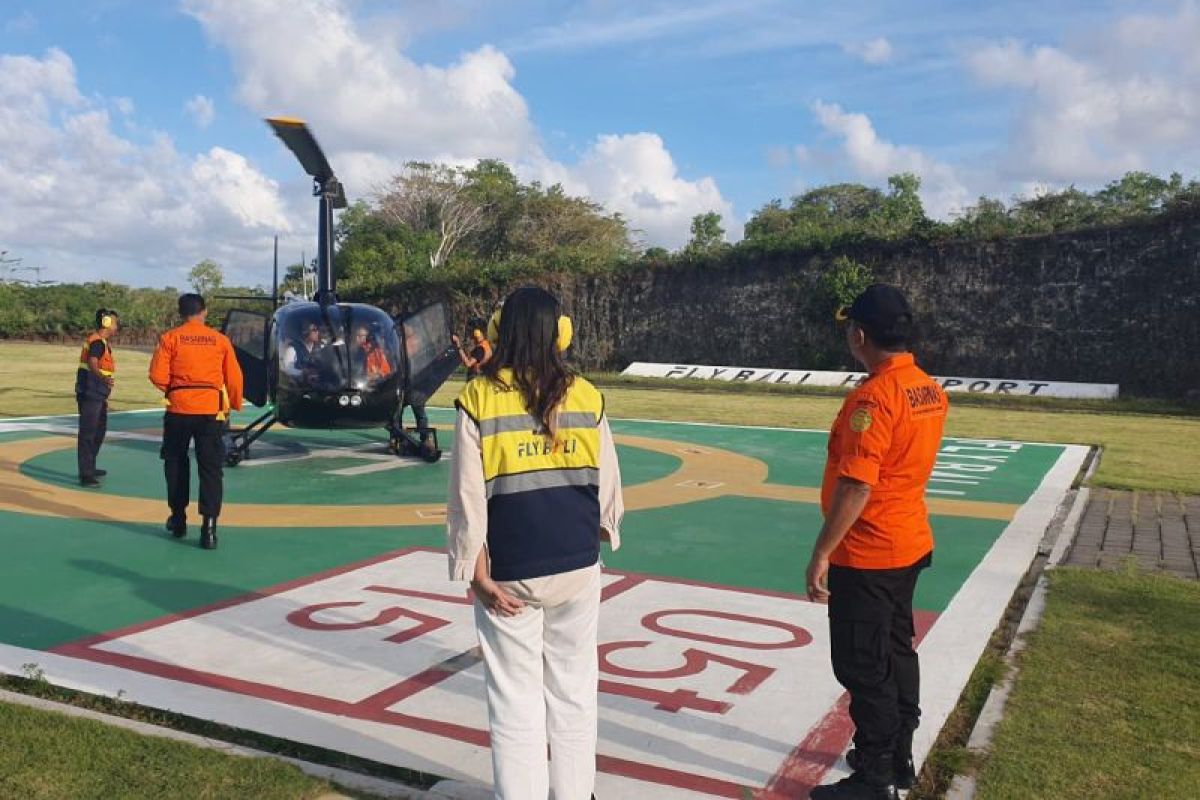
[335, 365]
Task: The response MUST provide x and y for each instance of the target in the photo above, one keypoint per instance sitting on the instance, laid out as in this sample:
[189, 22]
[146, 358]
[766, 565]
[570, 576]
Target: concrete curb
[343, 778]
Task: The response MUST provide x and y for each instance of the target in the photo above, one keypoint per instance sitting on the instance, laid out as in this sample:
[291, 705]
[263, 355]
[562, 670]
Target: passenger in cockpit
[374, 360]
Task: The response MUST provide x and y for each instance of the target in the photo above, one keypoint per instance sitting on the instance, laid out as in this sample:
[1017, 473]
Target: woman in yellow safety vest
[535, 486]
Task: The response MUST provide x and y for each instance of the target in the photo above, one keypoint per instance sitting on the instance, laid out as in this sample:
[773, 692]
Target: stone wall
[1114, 305]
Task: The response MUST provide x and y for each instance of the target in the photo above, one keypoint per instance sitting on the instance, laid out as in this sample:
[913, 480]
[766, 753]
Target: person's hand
[108, 380]
[605, 535]
[454, 338]
[816, 579]
[495, 599]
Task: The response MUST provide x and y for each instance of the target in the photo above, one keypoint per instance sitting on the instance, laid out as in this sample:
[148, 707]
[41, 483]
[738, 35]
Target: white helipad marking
[702, 687]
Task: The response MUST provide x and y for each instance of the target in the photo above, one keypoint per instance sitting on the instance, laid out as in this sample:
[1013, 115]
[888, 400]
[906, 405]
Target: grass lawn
[49, 756]
[1107, 701]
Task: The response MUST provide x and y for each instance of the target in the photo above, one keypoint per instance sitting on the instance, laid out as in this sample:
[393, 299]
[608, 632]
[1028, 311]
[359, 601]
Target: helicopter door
[430, 357]
[247, 330]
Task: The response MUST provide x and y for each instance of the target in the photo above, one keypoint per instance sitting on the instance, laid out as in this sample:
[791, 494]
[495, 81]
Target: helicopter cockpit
[342, 357]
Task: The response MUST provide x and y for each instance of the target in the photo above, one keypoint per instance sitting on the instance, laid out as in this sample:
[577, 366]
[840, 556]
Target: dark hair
[101, 313]
[190, 305]
[896, 338]
[528, 345]
[477, 324]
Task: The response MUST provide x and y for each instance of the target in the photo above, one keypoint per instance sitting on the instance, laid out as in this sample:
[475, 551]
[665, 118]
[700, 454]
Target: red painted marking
[277, 694]
[465, 599]
[303, 618]
[230, 602]
[670, 777]
[418, 683]
[621, 586]
[800, 637]
[811, 759]
[694, 662]
[672, 701]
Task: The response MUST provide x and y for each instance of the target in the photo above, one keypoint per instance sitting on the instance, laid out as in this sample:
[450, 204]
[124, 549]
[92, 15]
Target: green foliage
[844, 280]
[707, 233]
[504, 229]
[206, 277]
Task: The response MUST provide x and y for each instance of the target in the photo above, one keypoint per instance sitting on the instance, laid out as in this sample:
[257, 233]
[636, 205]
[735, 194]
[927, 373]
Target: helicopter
[323, 363]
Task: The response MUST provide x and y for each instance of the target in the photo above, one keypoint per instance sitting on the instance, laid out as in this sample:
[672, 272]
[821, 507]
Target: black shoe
[177, 525]
[100, 473]
[208, 534]
[89, 482]
[856, 787]
[903, 771]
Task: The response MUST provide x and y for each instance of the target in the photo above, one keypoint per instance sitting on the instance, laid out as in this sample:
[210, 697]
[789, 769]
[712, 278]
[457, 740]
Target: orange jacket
[887, 435]
[107, 366]
[376, 362]
[191, 366]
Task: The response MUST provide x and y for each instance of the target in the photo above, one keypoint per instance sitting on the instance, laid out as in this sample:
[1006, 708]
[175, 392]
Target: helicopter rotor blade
[299, 139]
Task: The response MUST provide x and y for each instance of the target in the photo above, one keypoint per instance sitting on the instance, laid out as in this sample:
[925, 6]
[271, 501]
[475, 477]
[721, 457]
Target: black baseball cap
[882, 310]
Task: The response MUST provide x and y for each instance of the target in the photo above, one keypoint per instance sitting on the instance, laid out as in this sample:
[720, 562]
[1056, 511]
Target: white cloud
[373, 108]
[874, 158]
[78, 195]
[1128, 100]
[635, 175]
[201, 110]
[875, 52]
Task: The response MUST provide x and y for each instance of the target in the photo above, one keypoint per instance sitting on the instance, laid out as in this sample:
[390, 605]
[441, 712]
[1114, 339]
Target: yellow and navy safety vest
[88, 385]
[543, 495]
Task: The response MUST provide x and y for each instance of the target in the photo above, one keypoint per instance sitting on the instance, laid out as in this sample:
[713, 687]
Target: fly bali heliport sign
[808, 377]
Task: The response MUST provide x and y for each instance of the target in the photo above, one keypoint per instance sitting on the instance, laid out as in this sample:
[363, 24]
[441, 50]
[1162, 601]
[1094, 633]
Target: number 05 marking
[694, 662]
[797, 636]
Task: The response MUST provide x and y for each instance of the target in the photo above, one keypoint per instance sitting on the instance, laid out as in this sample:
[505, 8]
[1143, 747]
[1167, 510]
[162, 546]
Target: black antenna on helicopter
[296, 135]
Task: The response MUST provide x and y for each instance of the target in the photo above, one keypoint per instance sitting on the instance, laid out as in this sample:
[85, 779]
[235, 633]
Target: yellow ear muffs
[566, 330]
[106, 319]
[493, 327]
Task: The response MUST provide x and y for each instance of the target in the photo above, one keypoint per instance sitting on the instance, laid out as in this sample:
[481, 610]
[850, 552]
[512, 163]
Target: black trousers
[179, 430]
[871, 643]
[93, 425]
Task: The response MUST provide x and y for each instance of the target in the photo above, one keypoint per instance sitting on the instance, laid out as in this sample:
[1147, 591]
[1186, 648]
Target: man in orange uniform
[875, 541]
[195, 367]
[93, 385]
[480, 353]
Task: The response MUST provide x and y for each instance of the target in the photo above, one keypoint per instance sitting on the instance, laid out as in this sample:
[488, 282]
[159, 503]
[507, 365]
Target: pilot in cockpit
[300, 359]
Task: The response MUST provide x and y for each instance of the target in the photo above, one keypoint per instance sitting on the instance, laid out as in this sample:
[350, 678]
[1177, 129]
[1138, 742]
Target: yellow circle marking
[704, 473]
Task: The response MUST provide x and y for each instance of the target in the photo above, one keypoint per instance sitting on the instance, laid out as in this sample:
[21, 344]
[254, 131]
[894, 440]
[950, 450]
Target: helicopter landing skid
[415, 442]
[237, 443]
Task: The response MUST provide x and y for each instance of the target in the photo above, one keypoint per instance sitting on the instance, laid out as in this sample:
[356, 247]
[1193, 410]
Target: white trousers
[542, 674]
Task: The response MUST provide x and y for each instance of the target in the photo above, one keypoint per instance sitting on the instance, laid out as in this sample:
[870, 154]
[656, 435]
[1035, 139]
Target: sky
[132, 143]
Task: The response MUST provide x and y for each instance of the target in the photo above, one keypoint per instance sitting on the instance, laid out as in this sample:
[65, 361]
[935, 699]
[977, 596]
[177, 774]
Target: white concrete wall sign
[808, 377]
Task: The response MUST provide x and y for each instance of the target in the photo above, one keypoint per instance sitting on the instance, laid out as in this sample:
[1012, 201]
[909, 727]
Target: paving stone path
[1160, 531]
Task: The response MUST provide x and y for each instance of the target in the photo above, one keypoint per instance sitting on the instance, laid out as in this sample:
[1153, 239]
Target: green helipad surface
[731, 509]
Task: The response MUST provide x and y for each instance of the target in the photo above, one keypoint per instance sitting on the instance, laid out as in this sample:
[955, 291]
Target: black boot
[904, 772]
[177, 525]
[871, 780]
[208, 533]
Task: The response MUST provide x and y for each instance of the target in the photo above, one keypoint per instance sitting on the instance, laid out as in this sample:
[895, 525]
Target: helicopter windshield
[337, 347]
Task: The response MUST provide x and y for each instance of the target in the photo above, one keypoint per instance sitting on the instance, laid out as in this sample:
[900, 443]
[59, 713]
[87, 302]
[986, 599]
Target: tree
[206, 277]
[707, 233]
[433, 198]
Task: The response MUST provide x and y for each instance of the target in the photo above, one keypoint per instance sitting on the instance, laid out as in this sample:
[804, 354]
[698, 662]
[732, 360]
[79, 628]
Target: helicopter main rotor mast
[296, 135]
